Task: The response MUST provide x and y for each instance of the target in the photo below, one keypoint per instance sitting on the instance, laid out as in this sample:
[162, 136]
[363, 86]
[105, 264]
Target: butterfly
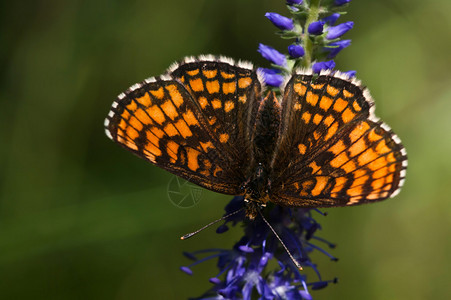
[210, 121]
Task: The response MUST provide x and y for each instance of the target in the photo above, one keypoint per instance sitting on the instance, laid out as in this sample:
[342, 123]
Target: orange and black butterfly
[209, 121]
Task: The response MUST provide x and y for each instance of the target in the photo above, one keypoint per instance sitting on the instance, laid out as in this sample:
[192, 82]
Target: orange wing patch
[143, 117]
[340, 105]
[302, 148]
[156, 114]
[212, 86]
[209, 73]
[228, 87]
[196, 85]
[312, 98]
[193, 72]
[193, 163]
[306, 117]
[159, 94]
[348, 94]
[189, 118]
[333, 91]
[175, 95]
[203, 102]
[244, 82]
[145, 100]
[300, 89]
[317, 119]
[227, 75]
[183, 128]
[331, 131]
[170, 130]
[216, 104]
[172, 150]
[321, 182]
[325, 103]
[223, 138]
[169, 109]
[229, 105]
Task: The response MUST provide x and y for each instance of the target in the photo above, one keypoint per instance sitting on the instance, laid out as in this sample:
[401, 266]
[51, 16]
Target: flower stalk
[308, 44]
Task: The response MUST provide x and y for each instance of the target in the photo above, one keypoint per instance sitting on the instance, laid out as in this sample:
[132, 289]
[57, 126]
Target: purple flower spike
[341, 2]
[280, 21]
[296, 51]
[291, 2]
[350, 73]
[330, 20]
[186, 270]
[339, 30]
[272, 77]
[338, 46]
[272, 55]
[245, 270]
[316, 28]
[323, 65]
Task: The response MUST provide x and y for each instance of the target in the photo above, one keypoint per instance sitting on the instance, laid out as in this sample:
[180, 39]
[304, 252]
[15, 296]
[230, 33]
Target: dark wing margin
[163, 121]
[333, 150]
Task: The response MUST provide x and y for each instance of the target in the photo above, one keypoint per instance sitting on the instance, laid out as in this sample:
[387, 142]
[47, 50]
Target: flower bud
[296, 51]
[280, 21]
[272, 77]
[323, 65]
[337, 31]
[350, 73]
[272, 55]
[337, 47]
[330, 20]
[316, 28]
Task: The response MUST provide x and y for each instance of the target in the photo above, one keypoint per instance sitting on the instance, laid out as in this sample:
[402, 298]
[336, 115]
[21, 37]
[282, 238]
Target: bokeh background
[81, 218]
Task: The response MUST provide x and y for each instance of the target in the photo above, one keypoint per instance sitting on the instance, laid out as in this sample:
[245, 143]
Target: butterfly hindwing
[332, 149]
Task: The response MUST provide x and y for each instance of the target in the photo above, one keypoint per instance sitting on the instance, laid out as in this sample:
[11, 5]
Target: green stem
[308, 45]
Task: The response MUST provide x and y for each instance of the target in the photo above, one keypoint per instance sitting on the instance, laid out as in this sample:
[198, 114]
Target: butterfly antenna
[296, 263]
[209, 224]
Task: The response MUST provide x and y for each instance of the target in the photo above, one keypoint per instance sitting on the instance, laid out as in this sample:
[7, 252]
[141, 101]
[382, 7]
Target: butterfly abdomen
[266, 129]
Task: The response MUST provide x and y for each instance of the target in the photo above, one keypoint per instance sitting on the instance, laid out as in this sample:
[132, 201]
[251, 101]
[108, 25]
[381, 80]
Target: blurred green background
[81, 218]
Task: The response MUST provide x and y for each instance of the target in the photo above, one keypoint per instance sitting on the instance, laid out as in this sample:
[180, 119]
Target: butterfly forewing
[181, 124]
[335, 151]
[228, 95]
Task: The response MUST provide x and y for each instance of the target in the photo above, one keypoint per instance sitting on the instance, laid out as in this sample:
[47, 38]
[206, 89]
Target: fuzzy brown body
[265, 135]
